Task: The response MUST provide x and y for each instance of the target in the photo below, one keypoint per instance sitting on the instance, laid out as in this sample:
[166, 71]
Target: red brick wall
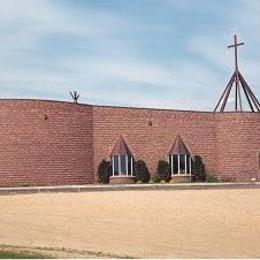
[238, 145]
[39, 151]
[229, 143]
[152, 143]
[48, 143]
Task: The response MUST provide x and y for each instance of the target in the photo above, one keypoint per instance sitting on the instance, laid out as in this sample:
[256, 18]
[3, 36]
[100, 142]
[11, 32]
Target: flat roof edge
[125, 107]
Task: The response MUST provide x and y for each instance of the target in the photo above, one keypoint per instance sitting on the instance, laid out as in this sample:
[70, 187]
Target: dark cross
[75, 96]
[235, 45]
[240, 84]
[237, 93]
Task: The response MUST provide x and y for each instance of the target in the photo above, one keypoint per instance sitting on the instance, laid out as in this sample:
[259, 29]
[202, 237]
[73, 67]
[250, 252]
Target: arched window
[122, 159]
[180, 158]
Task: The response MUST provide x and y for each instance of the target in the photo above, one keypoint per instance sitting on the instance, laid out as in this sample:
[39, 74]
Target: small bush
[156, 179]
[141, 172]
[212, 178]
[228, 178]
[163, 171]
[198, 169]
[104, 172]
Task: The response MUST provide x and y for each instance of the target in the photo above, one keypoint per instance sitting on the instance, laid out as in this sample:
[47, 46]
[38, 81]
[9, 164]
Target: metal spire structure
[240, 84]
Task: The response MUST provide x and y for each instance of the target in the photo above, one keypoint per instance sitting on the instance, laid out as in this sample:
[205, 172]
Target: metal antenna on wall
[75, 96]
[240, 85]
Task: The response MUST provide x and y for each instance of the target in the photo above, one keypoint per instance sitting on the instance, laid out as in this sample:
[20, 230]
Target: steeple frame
[241, 85]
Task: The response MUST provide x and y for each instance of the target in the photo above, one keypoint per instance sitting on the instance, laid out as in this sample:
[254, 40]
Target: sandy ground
[175, 224]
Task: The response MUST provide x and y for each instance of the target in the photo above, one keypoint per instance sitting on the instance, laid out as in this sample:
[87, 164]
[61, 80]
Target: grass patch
[24, 254]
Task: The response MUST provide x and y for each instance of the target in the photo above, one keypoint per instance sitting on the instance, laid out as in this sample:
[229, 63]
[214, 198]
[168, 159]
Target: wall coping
[122, 107]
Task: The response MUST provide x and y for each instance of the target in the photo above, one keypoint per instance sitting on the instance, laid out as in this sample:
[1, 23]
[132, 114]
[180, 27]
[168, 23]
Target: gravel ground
[172, 224]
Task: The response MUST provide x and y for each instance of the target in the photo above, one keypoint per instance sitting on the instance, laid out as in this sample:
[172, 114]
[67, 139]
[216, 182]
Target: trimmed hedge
[104, 172]
[163, 171]
[141, 172]
[198, 169]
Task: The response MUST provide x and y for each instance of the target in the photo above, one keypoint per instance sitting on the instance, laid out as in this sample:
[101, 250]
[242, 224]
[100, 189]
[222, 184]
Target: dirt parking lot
[175, 224]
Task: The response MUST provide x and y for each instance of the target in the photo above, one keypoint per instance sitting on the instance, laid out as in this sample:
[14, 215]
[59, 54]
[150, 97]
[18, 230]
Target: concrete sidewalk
[123, 187]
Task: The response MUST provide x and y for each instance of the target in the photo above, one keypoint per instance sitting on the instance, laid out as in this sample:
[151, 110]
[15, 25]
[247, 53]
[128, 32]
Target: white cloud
[113, 72]
[243, 20]
[213, 49]
[23, 24]
[136, 72]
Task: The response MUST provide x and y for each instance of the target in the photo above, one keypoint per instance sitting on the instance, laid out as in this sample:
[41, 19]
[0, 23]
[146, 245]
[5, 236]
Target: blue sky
[145, 53]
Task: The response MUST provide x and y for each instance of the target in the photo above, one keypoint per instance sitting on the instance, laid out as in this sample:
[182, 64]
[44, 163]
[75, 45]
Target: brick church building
[59, 143]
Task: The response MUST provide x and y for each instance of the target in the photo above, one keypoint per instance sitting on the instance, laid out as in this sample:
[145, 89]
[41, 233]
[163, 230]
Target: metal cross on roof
[235, 45]
[241, 87]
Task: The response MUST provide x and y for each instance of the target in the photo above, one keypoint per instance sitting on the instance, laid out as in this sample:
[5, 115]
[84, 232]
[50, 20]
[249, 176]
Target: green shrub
[163, 171]
[228, 178]
[156, 179]
[212, 178]
[104, 172]
[198, 169]
[8, 253]
[141, 172]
